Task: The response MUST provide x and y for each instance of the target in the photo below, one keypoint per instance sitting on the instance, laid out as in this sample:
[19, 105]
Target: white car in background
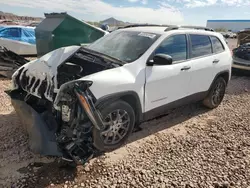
[232, 35]
[76, 100]
[19, 39]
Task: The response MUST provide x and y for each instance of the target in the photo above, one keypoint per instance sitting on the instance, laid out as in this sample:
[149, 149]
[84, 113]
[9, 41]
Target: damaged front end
[241, 54]
[56, 108]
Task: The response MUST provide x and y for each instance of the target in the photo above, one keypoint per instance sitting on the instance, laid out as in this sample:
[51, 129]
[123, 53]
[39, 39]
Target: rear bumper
[41, 138]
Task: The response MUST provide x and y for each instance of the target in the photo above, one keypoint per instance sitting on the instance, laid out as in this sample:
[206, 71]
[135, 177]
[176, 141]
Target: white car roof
[161, 30]
[155, 29]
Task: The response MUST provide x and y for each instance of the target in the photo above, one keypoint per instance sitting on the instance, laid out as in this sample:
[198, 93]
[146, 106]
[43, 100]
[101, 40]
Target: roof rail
[188, 27]
[173, 27]
[197, 27]
[144, 25]
[168, 27]
[138, 25]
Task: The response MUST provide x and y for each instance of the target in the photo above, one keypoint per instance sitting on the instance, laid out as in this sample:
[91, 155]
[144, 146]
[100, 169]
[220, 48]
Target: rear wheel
[216, 94]
[119, 120]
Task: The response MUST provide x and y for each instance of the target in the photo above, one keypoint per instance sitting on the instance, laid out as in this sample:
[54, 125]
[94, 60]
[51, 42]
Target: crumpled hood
[51, 60]
[41, 70]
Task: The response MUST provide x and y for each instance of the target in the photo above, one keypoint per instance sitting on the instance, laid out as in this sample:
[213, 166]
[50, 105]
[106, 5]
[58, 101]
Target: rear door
[221, 56]
[203, 63]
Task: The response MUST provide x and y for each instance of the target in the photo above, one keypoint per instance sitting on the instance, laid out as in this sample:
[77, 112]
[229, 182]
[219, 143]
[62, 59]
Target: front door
[168, 83]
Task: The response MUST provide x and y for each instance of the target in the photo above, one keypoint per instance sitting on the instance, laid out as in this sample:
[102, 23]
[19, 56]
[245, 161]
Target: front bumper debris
[41, 139]
[60, 131]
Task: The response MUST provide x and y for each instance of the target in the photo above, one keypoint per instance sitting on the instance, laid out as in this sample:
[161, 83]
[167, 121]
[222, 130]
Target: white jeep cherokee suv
[77, 100]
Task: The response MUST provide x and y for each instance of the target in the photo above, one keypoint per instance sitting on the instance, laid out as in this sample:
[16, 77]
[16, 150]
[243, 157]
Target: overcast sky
[195, 12]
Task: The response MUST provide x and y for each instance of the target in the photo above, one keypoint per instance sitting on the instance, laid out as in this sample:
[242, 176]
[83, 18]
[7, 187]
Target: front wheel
[119, 120]
[216, 94]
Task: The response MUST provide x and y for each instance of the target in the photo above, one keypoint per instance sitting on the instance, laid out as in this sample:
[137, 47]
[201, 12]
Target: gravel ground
[190, 147]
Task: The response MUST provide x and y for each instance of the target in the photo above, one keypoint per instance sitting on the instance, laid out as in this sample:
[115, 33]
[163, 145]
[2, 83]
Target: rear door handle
[185, 68]
[216, 61]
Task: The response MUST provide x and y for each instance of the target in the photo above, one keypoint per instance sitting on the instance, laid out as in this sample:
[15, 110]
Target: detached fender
[41, 139]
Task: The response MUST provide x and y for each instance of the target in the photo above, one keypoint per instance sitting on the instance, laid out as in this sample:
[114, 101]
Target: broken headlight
[66, 112]
[79, 90]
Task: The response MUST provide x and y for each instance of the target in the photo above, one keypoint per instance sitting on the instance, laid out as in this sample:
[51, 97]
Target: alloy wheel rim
[116, 125]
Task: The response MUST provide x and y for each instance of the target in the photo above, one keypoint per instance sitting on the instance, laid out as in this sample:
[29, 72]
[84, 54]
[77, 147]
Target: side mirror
[160, 59]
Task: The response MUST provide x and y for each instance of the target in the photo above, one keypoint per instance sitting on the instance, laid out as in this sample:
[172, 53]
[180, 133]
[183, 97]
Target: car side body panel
[19, 47]
[136, 77]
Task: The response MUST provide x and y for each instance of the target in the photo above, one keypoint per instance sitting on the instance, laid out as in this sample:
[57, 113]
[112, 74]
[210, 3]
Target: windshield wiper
[114, 60]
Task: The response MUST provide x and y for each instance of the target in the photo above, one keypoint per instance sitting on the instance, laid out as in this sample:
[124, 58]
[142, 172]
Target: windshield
[124, 45]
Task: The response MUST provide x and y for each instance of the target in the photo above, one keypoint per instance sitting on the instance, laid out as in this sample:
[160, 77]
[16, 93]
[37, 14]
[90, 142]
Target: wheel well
[225, 76]
[135, 104]
[129, 97]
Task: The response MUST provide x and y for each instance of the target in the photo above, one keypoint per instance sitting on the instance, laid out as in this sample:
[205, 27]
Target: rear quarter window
[200, 45]
[217, 45]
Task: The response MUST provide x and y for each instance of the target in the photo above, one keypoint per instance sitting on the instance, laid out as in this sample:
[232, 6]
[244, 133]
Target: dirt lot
[190, 147]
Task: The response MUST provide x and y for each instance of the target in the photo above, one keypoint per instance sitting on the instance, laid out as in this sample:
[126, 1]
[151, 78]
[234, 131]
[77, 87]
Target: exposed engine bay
[58, 108]
[80, 65]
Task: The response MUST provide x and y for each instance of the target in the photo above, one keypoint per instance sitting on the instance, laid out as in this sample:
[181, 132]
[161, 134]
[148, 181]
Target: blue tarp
[28, 35]
[23, 34]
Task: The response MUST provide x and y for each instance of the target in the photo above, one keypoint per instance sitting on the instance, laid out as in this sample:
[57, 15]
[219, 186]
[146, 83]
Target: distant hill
[114, 22]
[13, 17]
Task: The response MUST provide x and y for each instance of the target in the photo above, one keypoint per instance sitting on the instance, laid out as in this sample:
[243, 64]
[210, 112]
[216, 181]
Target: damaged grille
[38, 87]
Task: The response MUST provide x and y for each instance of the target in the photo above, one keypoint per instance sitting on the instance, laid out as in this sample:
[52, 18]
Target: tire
[211, 101]
[113, 126]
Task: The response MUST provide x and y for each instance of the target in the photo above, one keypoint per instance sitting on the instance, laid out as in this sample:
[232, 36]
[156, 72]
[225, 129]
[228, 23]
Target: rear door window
[200, 45]
[217, 45]
[175, 46]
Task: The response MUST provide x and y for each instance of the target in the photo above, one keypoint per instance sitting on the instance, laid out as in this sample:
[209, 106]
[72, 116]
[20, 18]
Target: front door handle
[216, 61]
[185, 68]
